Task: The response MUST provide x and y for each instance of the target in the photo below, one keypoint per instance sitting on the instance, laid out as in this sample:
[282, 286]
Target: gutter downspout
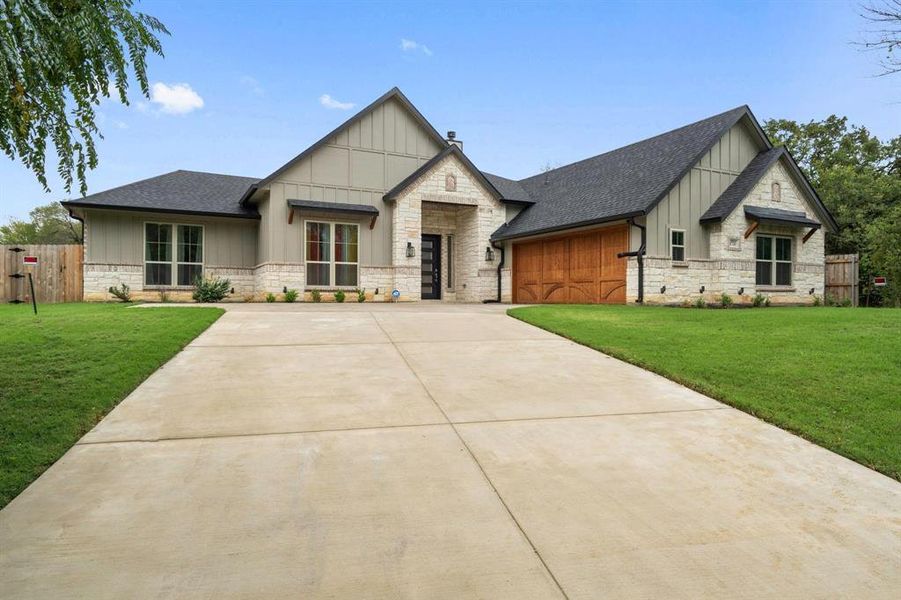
[500, 266]
[639, 254]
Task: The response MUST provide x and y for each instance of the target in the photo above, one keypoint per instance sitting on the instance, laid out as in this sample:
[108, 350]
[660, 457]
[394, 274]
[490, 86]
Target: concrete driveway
[430, 451]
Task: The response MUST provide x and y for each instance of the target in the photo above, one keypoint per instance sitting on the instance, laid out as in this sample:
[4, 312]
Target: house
[384, 202]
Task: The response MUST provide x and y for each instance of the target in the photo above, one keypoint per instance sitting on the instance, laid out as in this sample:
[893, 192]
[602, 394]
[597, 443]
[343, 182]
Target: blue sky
[240, 89]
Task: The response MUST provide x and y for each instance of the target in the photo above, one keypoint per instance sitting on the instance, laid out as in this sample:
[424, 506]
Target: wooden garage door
[580, 268]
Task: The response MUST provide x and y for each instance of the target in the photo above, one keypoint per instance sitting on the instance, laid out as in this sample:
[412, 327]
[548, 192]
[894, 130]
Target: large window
[332, 254]
[677, 245]
[173, 254]
[774, 260]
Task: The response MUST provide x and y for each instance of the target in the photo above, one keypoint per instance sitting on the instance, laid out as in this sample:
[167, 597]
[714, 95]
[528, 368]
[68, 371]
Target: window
[677, 245]
[161, 263]
[332, 254]
[774, 260]
[450, 262]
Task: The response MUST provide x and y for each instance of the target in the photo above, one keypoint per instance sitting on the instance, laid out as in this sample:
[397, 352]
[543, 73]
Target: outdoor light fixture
[285, 290]
[702, 289]
[411, 251]
[663, 290]
[489, 254]
[812, 290]
[741, 291]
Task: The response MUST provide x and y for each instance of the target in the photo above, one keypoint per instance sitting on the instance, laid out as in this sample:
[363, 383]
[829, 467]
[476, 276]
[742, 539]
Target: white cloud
[175, 99]
[414, 46]
[120, 124]
[252, 84]
[329, 102]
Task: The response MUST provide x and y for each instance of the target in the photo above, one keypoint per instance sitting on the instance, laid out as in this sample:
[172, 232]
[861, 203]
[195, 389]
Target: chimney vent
[452, 139]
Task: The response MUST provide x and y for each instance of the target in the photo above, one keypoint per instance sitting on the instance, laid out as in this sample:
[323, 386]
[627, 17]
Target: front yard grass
[831, 375]
[63, 370]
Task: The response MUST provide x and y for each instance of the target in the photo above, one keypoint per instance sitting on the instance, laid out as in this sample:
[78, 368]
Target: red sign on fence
[879, 281]
[29, 260]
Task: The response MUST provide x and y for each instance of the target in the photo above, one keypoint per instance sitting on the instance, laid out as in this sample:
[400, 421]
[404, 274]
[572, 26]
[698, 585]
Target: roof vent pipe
[452, 139]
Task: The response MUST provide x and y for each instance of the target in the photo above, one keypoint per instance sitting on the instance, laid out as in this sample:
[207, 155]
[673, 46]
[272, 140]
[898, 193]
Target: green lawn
[831, 375]
[63, 370]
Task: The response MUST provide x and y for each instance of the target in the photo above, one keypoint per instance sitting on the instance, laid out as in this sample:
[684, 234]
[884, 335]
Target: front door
[431, 267]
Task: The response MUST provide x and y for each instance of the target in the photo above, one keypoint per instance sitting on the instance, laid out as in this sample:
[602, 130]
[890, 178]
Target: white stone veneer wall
[98, 278]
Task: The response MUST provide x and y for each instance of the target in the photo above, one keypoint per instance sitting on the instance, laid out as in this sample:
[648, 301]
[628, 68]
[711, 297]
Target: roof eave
[556, 228]
[76, 204]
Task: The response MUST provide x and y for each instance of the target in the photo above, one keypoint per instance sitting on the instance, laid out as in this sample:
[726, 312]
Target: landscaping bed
[831, 375]
[67, 367]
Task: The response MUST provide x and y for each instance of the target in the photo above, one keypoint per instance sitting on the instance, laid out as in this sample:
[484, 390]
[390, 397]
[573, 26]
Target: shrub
[164, 296]
[211, 289]
[361, 295]
[339, 296]
[759, 299]
[121, 292]
[766, 302]
[270, 297]
[317, 295]
[846, 302]
[725, 300]
[817, 301]
[291, 296]
[699, 303]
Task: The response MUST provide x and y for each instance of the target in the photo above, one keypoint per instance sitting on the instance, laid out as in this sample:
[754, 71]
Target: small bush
[339, 296]
[699, 303]
[317, 295]
[122, 292]
[847, 302]
[361, 295]
[291, 296]
[270, 297]
[164, 296]
[766, 302]
[817, 301]
[759, 299]
[725, 300]
[211, 289]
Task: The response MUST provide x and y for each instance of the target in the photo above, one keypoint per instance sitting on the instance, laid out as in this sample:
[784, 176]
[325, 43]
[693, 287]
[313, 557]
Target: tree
[885, 16]
[48, 224]
[858, 177]
[58, 60]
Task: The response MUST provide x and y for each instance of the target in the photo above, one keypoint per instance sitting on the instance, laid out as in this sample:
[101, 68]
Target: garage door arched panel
[580, 268]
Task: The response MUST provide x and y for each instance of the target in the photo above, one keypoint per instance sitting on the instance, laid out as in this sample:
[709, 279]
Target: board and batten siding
[683, 206]
[357, 166]
[117, 238]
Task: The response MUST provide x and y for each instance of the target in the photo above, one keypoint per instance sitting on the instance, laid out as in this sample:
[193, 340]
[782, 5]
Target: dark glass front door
[431, 267]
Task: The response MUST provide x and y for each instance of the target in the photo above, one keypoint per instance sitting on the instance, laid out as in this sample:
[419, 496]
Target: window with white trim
[332, 254]
[173, 254]
[677, 244]
[774, 260]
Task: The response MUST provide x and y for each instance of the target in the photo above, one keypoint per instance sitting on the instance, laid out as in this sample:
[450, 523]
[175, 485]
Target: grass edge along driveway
[66, 368]
[830, 375]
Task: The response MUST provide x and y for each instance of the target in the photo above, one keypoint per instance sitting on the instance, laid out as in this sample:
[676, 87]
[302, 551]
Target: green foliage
[700, 303]
[210, 289]
[339, 296]
[291, 296]
[759, 299]
[58, 60]
[361, 296]
[48, 224]
[270, 297]
[122, 292]
[72, 364]
[725, 300]
[767, 302]
[858, 178]
[817, 301]
[831, 375]
[316, 295]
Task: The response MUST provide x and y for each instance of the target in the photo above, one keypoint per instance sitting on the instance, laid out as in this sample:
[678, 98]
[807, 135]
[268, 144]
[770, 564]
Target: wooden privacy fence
[58, 276]
[842, 276]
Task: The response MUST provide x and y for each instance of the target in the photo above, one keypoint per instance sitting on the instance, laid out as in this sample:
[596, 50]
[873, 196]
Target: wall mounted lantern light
[411, 251]
[812, 290]
[702, 289]
[489, 254]
[741, 291]
[663, 290]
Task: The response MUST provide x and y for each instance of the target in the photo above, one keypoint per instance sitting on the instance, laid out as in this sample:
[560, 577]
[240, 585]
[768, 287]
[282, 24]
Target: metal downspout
[500, 266]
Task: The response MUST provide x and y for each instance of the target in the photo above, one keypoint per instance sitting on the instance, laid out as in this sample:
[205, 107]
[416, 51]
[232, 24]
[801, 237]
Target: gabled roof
[622, 183]
[393, 93]
[186, 192]
[451, 149]
[753, 173]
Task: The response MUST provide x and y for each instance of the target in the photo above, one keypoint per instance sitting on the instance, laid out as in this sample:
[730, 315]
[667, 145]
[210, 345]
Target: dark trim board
[76, 204]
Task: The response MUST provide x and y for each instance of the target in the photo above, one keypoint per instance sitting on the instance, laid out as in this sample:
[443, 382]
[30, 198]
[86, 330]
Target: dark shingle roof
[625, 182]
[186, 192]
[743, 184]
[778, 215]
[509, 189]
